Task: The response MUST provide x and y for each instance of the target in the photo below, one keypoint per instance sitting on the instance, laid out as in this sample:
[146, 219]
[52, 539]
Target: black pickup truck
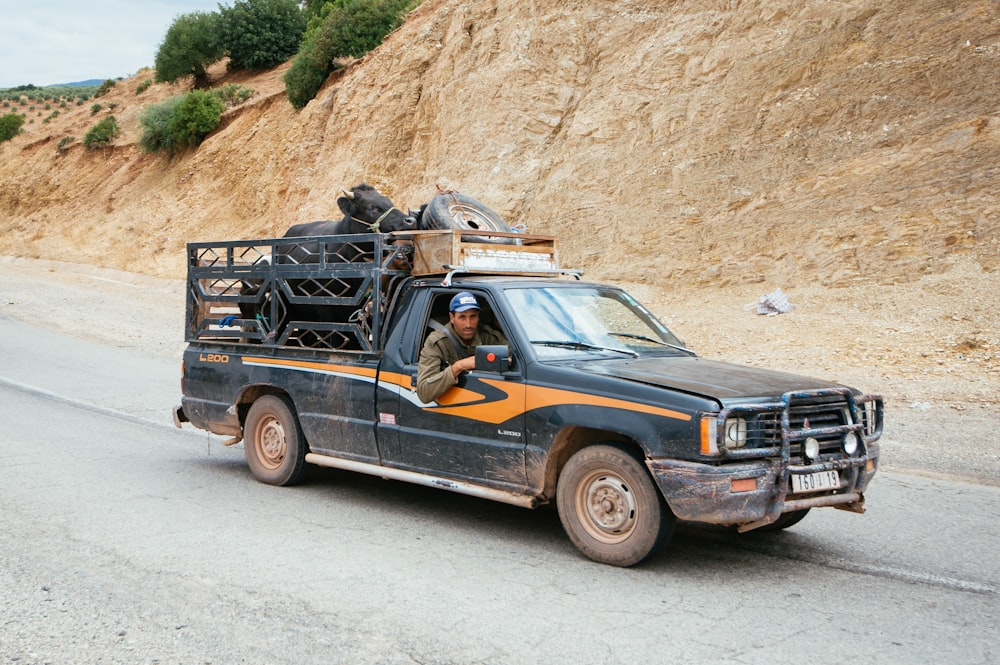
[306, 349]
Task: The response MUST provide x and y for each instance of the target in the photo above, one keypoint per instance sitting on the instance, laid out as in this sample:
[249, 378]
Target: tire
[785, 520]
[610, 508]
[273, 443]
[458, 211]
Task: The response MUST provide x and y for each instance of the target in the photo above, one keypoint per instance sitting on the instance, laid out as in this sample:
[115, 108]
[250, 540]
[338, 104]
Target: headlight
[736, 433]
[811, 449]
[850, 443]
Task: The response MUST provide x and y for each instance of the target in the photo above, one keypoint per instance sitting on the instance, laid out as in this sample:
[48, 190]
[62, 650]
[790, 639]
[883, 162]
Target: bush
[105, 87]
[10, 125]
[101, 134]
[349, 30]
[95, 108]
[307, 73]
[233, 94]
[259, 34]
[64, 143]
[142, 87]
[198, 113]
[180, 122]
[192, 43]
[155, 122]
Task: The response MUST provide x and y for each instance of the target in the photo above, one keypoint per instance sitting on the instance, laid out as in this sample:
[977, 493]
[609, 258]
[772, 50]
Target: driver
[449, 352]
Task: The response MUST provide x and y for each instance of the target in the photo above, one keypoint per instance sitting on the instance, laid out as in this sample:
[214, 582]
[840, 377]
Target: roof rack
[464, 270]
[438, 252]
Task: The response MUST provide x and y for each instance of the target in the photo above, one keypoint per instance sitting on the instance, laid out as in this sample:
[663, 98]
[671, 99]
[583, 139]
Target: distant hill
[78, 84]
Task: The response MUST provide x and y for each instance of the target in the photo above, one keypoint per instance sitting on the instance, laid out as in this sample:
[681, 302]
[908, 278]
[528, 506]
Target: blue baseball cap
[463, 301]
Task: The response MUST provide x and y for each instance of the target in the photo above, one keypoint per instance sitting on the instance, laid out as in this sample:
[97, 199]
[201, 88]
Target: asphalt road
[125, 540]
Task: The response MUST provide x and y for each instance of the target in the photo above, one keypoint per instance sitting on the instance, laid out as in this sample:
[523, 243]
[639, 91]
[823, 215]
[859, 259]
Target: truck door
[474, 431]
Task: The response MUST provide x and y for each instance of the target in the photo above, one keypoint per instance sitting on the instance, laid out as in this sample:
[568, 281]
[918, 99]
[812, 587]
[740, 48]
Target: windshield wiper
[654, 341]
[583, 346]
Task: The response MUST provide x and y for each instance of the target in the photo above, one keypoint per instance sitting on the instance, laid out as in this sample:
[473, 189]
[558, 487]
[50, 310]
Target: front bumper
[754, 494]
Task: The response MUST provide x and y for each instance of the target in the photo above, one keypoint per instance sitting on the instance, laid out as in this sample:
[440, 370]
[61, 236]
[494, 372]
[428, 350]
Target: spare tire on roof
[457, 211]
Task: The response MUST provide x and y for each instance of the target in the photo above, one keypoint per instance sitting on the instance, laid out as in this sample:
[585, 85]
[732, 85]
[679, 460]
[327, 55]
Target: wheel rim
[470, 217]
[270, 443]
[606, 506]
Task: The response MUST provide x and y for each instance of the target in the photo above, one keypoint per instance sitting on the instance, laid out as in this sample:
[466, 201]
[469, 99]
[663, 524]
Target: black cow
[366, 210]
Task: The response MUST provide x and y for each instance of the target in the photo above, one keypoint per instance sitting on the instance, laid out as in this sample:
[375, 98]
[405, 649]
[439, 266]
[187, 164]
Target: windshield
[567, 322]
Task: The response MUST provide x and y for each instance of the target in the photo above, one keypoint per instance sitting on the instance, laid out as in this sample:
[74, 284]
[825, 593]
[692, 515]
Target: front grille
[824, 415]
[803, 416]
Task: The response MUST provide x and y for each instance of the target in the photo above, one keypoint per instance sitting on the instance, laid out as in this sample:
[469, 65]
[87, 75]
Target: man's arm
[434, 374]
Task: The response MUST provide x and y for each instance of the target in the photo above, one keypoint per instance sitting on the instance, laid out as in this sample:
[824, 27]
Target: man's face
[465, 324]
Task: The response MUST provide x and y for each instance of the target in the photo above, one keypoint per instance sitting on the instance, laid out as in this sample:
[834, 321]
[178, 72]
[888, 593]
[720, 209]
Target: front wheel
[610, 508]
[273, 442]
[785, 520]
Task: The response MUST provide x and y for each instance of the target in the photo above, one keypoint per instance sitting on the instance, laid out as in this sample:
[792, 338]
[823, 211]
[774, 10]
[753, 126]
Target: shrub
[155, 122]
[64, 143]
[259, 34]
[233, 94]
[10, 125]
[307, 73]
[180, 122]
[95, 108]
[105, 87]
[101, 134]
[142, 87]
[198, 113]
[349, 30]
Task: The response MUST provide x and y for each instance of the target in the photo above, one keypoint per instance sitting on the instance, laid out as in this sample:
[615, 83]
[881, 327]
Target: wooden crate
[437, 252]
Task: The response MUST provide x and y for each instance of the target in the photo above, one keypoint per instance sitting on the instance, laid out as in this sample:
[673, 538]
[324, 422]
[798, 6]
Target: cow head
[368, 210]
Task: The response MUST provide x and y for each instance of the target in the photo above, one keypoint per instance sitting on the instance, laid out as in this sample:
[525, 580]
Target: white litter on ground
[773, 303]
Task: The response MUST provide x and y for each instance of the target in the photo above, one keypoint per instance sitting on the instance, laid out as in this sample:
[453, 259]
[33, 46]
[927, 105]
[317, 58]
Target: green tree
[10, 125]
[192, 43]
[259, 34]
[314, 7]
[349, 30]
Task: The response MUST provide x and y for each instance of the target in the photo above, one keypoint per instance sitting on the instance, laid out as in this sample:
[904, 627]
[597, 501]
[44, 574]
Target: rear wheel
[273, 442]
[610, 508]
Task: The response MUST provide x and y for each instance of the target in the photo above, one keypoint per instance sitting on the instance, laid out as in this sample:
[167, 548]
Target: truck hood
[709, 378]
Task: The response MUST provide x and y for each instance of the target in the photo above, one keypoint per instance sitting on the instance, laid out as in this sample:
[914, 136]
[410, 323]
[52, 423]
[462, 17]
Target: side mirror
[492, 358]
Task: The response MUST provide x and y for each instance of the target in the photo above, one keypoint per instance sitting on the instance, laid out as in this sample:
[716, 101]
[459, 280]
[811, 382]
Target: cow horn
[348, 194]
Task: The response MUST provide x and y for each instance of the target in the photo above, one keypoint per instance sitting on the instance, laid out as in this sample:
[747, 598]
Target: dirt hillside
[703, 152]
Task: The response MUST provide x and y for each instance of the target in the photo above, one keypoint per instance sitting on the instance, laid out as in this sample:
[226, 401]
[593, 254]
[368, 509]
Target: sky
[47, 42]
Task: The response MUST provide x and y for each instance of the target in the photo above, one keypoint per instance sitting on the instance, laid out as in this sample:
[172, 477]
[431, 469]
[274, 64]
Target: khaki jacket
[434, 374]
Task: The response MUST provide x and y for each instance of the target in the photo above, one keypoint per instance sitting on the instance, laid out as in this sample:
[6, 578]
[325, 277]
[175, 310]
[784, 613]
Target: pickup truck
[594, 404]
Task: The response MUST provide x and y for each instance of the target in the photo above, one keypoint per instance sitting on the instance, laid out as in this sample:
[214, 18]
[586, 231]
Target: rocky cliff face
[697, 141]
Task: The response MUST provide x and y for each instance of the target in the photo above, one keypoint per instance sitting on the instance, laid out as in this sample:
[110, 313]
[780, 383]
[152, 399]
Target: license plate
[815, 482]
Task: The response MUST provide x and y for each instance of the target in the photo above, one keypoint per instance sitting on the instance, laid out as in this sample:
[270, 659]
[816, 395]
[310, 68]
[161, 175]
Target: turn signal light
[709, 436]
[743, 485]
